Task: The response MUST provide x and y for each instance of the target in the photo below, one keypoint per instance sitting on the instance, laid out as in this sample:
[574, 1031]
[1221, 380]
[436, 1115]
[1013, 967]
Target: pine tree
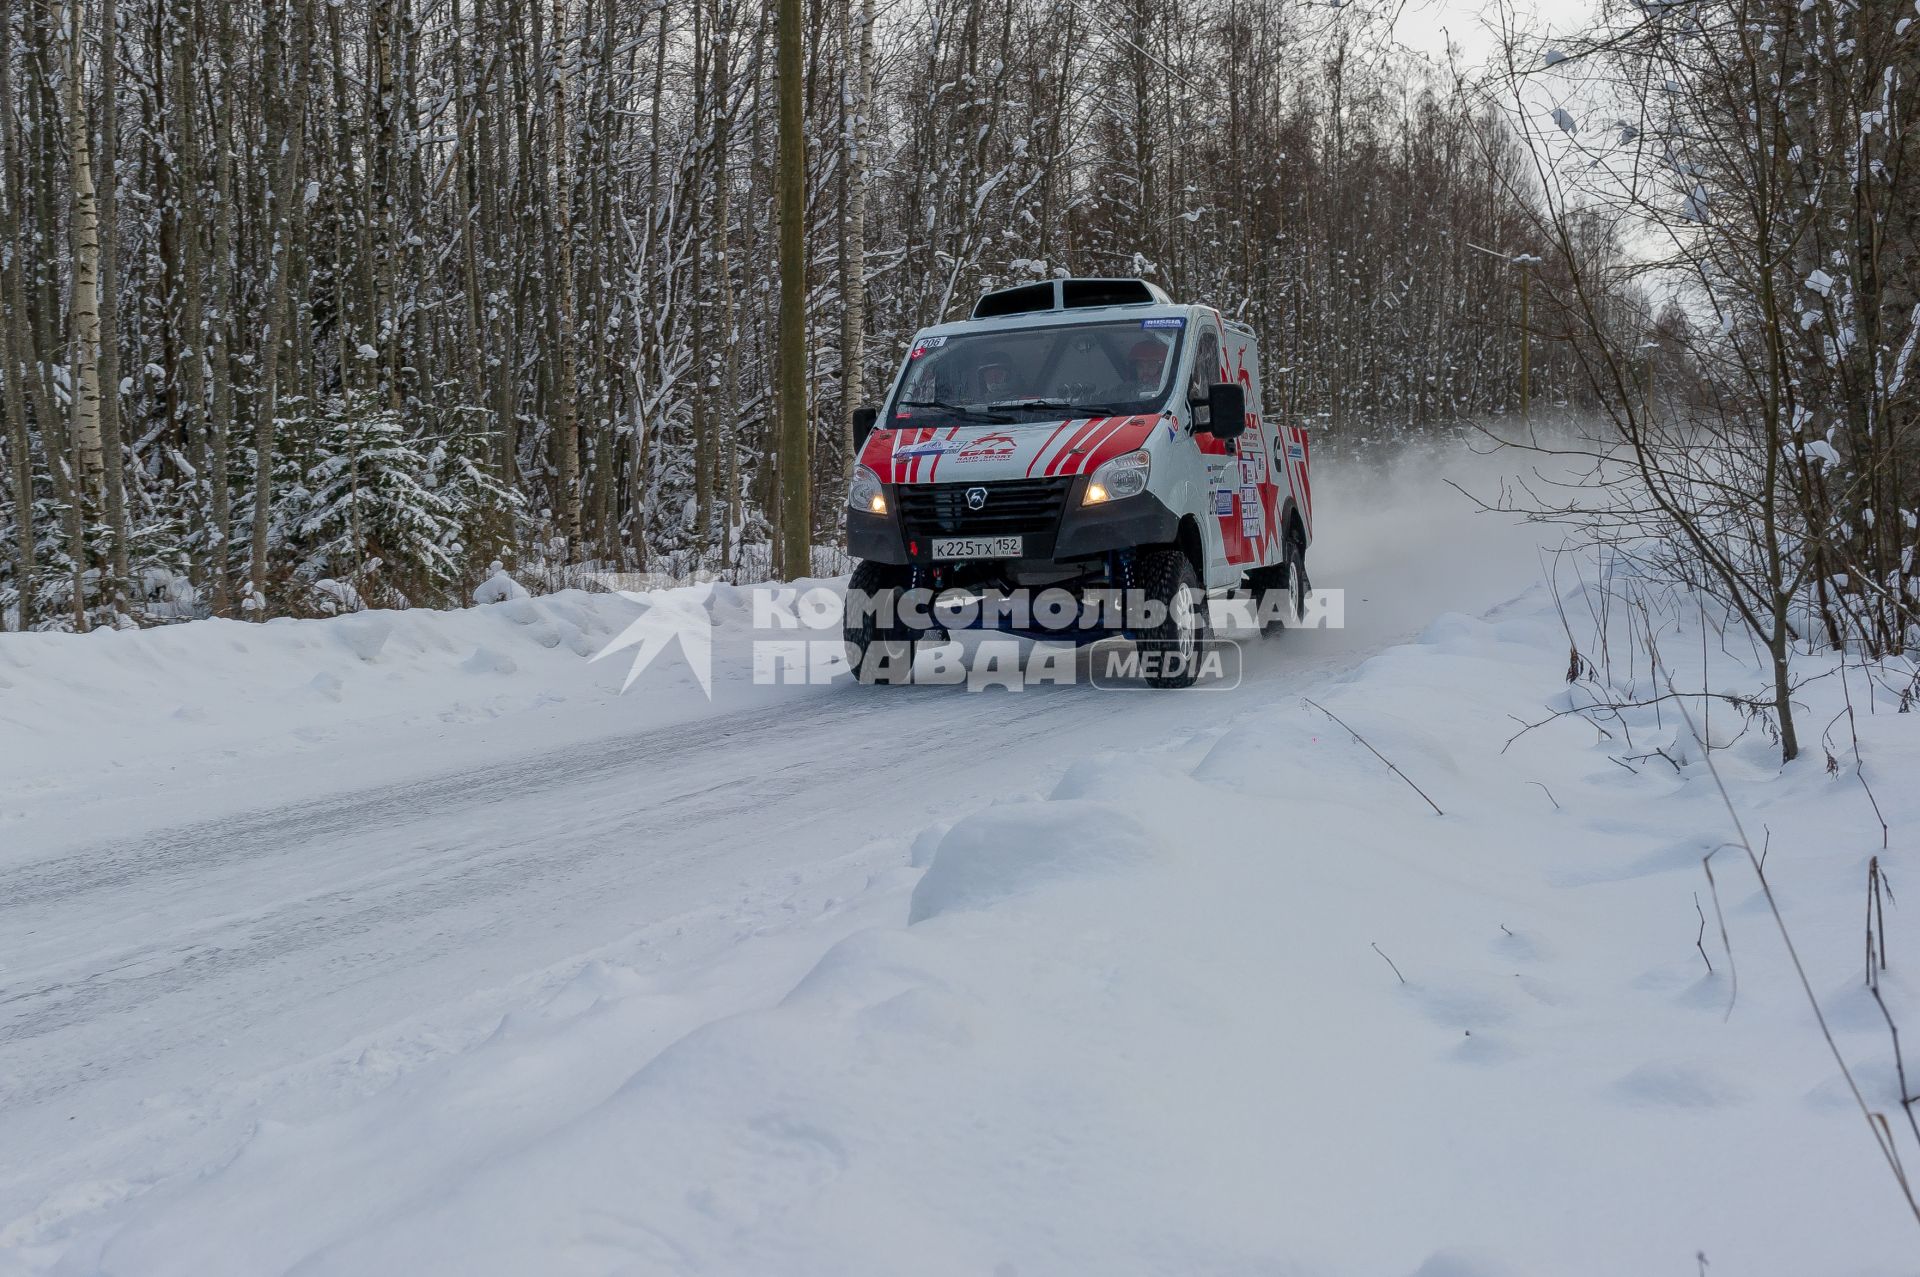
[373, 512]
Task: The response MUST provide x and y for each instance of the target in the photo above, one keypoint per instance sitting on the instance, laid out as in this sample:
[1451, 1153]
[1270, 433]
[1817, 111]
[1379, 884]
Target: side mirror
[1226, 410]
[864, 418]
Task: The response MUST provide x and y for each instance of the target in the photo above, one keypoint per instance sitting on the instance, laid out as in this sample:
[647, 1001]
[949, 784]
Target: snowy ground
[401, 943]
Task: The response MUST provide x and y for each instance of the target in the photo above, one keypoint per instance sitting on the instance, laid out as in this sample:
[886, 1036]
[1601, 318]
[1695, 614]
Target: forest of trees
[315, 303]
[1761, 160]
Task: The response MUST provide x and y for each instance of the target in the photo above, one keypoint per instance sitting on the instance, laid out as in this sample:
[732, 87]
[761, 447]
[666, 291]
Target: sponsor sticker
[1170, 321]
[1296, 453]
[930, 448]
[1223, 501]
[988, 448]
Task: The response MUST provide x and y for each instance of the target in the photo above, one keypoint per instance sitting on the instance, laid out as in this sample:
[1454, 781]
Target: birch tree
[790, 398]
[84, 223]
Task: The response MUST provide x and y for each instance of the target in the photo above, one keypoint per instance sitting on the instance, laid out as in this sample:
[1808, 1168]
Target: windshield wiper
[1026, 404]
[1086, 409]
[958, 410]
[1111, 409]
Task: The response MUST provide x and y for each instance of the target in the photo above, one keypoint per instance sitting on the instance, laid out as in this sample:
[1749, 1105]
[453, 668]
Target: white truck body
[1240, 498]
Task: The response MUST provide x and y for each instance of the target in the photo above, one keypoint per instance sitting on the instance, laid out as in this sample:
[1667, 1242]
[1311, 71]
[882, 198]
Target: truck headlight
[866, 493]
[1124, 476]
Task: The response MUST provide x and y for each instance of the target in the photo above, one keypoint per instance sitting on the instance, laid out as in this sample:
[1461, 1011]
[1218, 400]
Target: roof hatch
[1069, 294]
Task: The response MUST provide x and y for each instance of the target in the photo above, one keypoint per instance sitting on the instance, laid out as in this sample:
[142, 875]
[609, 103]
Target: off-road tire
[877, 655]
[1166, 576]
[1286, 579]
[1297, 583]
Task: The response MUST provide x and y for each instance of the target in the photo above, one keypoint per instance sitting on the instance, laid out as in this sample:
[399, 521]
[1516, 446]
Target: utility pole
[1526, 344]
[793, 543]
[1525, 261]
[1646, 351]
[856, 107]
[566, 427]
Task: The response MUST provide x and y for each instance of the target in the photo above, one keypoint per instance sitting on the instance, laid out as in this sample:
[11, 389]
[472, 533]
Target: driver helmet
[995, 371]
[1147, 359]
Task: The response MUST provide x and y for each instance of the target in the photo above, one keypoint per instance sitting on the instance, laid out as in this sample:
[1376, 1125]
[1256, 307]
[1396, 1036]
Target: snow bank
[1005, 852]
[498, 587]
[1232, 1004]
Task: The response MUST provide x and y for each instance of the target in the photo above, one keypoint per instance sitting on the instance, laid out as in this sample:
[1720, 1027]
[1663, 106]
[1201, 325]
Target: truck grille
[1030, 506]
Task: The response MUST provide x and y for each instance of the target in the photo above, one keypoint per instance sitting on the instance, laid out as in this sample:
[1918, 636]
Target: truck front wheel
[1171, 649]
[878, 648]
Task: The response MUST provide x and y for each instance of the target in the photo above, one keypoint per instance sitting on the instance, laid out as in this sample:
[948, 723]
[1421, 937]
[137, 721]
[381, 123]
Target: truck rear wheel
[1297, 583]
[878, 648]
[1172, 648]
[1284, 583]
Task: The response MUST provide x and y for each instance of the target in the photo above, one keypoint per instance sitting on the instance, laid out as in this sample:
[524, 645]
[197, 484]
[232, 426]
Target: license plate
[978, 547]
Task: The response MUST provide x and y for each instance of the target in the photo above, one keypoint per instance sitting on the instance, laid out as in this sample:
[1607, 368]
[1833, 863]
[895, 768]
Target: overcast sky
[1427, 25]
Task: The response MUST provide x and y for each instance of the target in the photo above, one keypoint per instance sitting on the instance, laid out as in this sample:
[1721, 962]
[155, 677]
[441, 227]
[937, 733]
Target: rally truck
[1080, 435]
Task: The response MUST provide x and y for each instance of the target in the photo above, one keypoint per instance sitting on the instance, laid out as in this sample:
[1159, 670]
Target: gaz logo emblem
[976, 498]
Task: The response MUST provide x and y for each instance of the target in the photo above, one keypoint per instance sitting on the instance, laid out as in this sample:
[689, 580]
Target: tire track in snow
[574, 859]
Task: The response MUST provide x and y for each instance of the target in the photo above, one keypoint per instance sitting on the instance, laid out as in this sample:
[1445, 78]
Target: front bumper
[1062, 533]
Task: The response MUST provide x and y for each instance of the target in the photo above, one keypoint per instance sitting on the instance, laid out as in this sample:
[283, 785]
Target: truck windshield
[1005, 376]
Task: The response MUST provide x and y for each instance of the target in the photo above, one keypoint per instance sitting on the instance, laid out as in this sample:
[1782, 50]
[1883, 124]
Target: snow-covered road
[157, 984]
[234, 945]
[405, 943]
